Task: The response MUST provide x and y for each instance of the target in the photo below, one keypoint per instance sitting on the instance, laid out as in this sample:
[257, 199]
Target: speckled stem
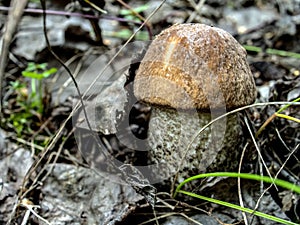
[171, 131]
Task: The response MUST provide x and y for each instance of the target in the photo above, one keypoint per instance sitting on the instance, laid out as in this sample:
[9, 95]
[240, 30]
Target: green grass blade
[233, 206]
[272, 51]
[287, 105]
[288, 117]
[279, 182]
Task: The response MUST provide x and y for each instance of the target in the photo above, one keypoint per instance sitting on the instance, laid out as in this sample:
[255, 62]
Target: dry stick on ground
[276, 175]
[132, 11]
[25, 142]
[35, 182]
[239, 184]
[160, 217]
[59, 132]
[30, 209]
[82, 57]
[165, 215]
[259, 152]
[63, 125]
[14, 17]
[287, 148]
[57, 154]
[55, 78]
[286, 172]
[197, 8]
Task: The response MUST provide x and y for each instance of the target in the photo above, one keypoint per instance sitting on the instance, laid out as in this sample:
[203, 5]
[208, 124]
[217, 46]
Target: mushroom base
[173, 147]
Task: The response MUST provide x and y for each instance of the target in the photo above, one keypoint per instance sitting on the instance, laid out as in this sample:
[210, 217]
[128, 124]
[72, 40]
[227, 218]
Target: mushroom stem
[171, 131]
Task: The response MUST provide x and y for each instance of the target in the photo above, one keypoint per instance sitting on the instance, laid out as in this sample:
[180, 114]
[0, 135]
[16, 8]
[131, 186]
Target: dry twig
[14, 17]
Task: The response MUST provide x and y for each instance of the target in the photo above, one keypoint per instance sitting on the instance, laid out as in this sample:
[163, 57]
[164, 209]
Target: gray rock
[30, 39]
[247, 19]
[14, 165]
[77, 195]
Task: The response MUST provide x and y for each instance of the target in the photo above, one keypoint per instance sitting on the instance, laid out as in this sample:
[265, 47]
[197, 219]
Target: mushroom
[190, 74]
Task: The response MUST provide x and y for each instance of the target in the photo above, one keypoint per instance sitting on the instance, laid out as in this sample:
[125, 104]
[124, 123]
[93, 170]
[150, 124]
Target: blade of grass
[287, 105]
[278, 114]
[272, 51]
[279, 182]
[288, 117]
[220, 117]
[233, 206]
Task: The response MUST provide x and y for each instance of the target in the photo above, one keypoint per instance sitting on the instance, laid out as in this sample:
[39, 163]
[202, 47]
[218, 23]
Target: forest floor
[51, 169]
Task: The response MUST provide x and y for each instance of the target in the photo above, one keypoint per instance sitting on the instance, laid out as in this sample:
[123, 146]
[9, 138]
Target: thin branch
[86, 16]
[258, 151]
[239, 184]
[197, 9]
[14, 17]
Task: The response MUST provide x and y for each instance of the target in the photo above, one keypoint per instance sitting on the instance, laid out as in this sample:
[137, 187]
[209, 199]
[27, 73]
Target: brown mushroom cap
[195, 66]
